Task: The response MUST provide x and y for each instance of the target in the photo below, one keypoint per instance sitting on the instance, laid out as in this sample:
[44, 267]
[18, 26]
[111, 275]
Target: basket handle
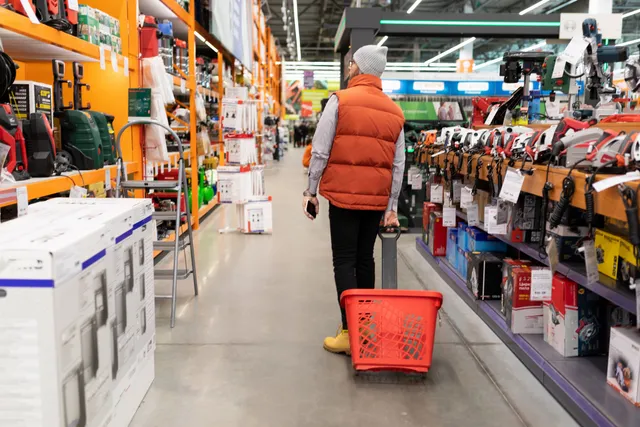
[391, 232]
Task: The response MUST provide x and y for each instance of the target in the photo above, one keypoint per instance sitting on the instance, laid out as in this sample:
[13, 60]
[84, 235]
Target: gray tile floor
[248, 351]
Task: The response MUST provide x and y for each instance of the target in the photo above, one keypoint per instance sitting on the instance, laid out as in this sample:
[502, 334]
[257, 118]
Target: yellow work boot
[339, 343]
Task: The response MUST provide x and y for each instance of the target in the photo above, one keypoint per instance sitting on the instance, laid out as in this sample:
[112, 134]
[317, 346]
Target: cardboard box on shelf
[462, 262]
[427, 208]
[484, 273]
[29, 97]
[607, 253]
[437, 235]
[508, 264]
[452, 246]
[623, 369]
[463, 237]
[628, 269]
[574, 319]
[523, 315]
[480, 241]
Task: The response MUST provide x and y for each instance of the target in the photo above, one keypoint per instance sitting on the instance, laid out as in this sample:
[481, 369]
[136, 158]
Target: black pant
[353, 236]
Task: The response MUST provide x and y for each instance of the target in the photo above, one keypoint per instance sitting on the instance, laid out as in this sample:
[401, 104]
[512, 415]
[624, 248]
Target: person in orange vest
[306, 156]
[357, 162]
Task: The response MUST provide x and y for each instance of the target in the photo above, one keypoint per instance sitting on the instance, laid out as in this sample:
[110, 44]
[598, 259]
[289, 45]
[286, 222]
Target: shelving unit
[578, 383]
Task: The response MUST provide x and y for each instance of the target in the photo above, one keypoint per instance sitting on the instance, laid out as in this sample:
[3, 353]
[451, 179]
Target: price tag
[558, 68]
[416, 181]
[575, 50]
[457, 190]
[126, 66]
[436, 193]
[511, 186]
[77, 192]
[103, 60]
[472, 215]
[590, 261]
[552, 253]
[615, 180]
[27, 7]
[72, 5]
[466, 198]
[449, 217]
[107, 179]
[22, 200]
[541, 284]
[183, 85]
[114, 61]
[491, 221]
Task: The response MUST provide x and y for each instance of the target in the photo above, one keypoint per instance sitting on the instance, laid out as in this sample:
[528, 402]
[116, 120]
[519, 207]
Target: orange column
[195, 217]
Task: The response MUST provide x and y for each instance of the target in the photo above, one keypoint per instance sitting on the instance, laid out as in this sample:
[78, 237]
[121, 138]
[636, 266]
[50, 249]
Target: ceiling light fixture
[487, 63]
[628, 14]
[211, 46]
[561, 6]
[295, 18]
[534, 7]
[630, 42]
[414, 5]
[200, 37]
[470, 23]
[450, 51]
[535, 46]
[384, 39]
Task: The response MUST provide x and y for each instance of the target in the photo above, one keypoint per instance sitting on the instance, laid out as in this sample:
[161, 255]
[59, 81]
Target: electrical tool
[584, 152]
[81, 144]
[40, 145]
[103, 121]
[518, 64]
[16, 6]
[11, 134]
[482, 108]
[57, 14]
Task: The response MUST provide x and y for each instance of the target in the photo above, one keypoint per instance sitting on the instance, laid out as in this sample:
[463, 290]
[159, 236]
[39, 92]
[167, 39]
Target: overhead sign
[473, 88]
[308, 79]
[609, 24]
[431, 88]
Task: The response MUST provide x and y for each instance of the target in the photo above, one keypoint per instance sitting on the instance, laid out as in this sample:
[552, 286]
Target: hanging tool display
[104, 122]
[80, 142]
[57, 14]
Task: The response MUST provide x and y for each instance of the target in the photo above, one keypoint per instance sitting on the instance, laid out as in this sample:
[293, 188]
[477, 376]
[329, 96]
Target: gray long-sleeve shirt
[323, 141]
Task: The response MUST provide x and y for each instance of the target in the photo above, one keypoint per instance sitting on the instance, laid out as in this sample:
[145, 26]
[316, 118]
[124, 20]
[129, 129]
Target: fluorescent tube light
[630, 42]
[561, 6]
[469, 23]
[628, 14]
[414, 5]
[487, 63]
[381, 42]
[210, 45]
[199, 36]
[295, 18]
[534, 47]
[533, 7]
[450, 51]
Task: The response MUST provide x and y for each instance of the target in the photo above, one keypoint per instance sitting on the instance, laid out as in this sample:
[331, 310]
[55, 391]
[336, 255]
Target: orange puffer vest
[359, 171]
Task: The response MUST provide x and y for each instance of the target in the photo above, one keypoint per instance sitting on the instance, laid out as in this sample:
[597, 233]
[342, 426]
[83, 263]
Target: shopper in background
[296, 135]
[306, 157]
[358, 151]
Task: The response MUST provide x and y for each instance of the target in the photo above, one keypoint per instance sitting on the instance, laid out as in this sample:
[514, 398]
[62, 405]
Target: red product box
[427, 208]
[437, 235]
[508, 264]
[523, 315]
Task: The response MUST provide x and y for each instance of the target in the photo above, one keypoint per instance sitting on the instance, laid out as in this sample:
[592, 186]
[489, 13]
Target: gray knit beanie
[371, 59]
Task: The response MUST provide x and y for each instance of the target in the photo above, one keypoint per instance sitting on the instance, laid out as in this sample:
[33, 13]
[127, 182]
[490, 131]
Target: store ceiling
[319, 19]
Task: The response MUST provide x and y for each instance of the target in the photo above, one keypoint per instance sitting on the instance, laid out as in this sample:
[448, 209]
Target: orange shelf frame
[182, 14]
[41, 187]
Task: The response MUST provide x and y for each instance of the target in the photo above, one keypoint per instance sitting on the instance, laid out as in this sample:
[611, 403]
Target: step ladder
[181, 242]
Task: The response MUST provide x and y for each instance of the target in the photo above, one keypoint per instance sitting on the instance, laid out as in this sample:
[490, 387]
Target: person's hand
[313, 200]
[391, 219]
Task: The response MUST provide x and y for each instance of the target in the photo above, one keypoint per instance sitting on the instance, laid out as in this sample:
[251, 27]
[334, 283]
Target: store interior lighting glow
[470, 23]
[381, 42]
[630, 42]
[560, 6]
[199, 36]
[534, 7]
[450, 51]
[443, 64]
[295, 18]
[211, 46]
[628, 14]
[499, 59]
[534, 47]
[414, 5]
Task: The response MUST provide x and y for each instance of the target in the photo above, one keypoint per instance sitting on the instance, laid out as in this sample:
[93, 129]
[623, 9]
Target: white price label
[590, 261]
[541, 284]
[125, 65]
[449, 217]
[472, 215]
[491, 221]
[27, 6]
[114, 61]
[512, 186]
[103, 60]
[72, 5]
[183, 85]
[466, 197]
[22, 200]
[436, 193]
[575, 50]
[107, 179]
[615, 180]
[77, 192]
[457, 190]
[416, 181]
[558, 68]
[552, 253]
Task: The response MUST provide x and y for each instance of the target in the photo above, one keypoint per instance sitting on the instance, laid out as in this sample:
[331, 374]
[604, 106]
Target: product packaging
[628, 269]
[484, 275]
[256, 215]
[523, 315]
[574, 319]
[452, 246]
[29, 97]
[427, 208]
[463, 237]
[437, 235]
[480, 241]
[623, 370]
[234, 184]
[567, 238]
[508, 264]
[462, 262]
[607, 253]
[88, 25]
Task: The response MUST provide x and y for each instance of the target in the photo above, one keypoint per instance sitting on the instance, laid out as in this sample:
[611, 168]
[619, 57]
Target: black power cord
[630, 201]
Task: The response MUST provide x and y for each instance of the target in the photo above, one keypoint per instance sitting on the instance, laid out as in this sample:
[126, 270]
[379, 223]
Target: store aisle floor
[248, 351]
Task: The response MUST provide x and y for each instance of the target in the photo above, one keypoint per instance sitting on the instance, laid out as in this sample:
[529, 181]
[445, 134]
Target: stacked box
[87, 309]
[574, 319]
[437, 235]
[628, 269]
[427, 208]
[623, 370]
[88, 25]
[567, 238]
[523, 315]
[463, 237]
[104, 29]
[452, 247]
[480, 241]
[256, 215]
[29, 97]
[508, 264]
[484, 275]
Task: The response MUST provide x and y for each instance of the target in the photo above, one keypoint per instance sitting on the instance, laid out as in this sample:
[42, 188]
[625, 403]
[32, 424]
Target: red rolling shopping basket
[391, 330]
